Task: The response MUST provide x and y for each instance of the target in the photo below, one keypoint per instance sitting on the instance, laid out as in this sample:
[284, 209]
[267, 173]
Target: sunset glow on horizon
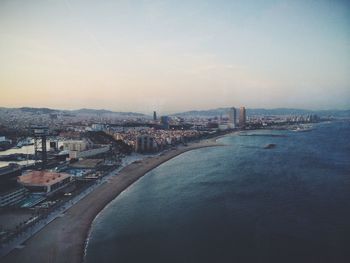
[173, 56]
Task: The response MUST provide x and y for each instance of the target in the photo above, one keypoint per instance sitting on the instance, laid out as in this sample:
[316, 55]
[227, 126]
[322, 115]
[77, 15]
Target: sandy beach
[63, 240]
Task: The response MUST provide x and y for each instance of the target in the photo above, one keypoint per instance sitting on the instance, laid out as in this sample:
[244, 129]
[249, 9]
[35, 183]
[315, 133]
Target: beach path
[63, 240]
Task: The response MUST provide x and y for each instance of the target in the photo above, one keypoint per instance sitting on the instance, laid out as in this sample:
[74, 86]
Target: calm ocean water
[238, 203]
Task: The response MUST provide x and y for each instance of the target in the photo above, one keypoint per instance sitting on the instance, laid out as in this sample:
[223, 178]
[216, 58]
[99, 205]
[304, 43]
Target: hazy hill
[84, 111]
[188, 114]
[264, 112]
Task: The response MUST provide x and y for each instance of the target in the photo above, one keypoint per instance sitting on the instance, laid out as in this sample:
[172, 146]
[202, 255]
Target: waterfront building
[232, 115]
[145, 143]
[44, 182]
[242, 117]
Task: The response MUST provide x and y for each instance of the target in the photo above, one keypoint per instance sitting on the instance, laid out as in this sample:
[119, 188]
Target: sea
[243, 202]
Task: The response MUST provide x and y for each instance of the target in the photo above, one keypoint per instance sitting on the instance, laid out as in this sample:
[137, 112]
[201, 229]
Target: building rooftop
[87, 163]
[42, 178]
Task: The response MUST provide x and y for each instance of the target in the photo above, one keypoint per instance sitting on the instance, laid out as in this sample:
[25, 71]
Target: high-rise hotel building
[232, 116]
[242, 117]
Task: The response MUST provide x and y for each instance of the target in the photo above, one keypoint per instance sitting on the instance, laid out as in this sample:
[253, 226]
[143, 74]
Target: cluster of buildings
[54, 169]
[303, 119]
[236, 119]
[80, 157]
[76, 150]
[232, 117]
[281, 120]
[28, 188]
[145, 139]
[82, 149]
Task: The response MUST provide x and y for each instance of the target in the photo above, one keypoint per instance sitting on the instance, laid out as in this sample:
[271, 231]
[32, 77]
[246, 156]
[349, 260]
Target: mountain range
[187, 114]
[265, 112]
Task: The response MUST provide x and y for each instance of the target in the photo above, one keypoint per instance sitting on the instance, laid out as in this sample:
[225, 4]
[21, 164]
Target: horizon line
[179, 112]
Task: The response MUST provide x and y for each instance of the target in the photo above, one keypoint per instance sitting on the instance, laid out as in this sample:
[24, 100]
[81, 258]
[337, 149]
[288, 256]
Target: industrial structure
[40, 134]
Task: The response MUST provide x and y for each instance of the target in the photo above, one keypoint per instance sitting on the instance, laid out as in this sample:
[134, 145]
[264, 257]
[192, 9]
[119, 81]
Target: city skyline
[174, 57]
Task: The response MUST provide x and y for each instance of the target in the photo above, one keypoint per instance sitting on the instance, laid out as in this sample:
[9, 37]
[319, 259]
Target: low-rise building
[44, 181]
[88, 153]
[145, 143]
[77, 145]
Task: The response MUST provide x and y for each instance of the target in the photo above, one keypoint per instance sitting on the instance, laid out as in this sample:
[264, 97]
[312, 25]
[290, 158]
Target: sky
[173, 56]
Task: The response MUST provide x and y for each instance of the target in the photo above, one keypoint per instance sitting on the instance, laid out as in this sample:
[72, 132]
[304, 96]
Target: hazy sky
[174, 55]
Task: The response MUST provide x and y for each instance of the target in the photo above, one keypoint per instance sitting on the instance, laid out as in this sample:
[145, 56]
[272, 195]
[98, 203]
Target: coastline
[67, 235]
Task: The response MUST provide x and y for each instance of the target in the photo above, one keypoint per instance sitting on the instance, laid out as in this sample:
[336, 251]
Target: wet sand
[63, 240]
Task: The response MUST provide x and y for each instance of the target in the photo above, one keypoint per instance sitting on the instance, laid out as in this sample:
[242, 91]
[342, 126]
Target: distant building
[53, 145]
[154, 115]
[242, 117]
[53, 116]
[223, 127]
[97, 127]
[145, 143]
[44, 182]
[3, 139]
[75, 145]
[232, 115]
[89, 152]
[164, 121]
[5, 143]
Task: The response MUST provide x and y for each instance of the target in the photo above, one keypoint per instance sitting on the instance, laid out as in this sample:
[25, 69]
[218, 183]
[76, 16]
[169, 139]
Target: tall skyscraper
[154, 115]
[232, 115]
[242, 117]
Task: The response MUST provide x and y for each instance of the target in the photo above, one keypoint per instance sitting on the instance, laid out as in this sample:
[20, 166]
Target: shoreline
[68, 235]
